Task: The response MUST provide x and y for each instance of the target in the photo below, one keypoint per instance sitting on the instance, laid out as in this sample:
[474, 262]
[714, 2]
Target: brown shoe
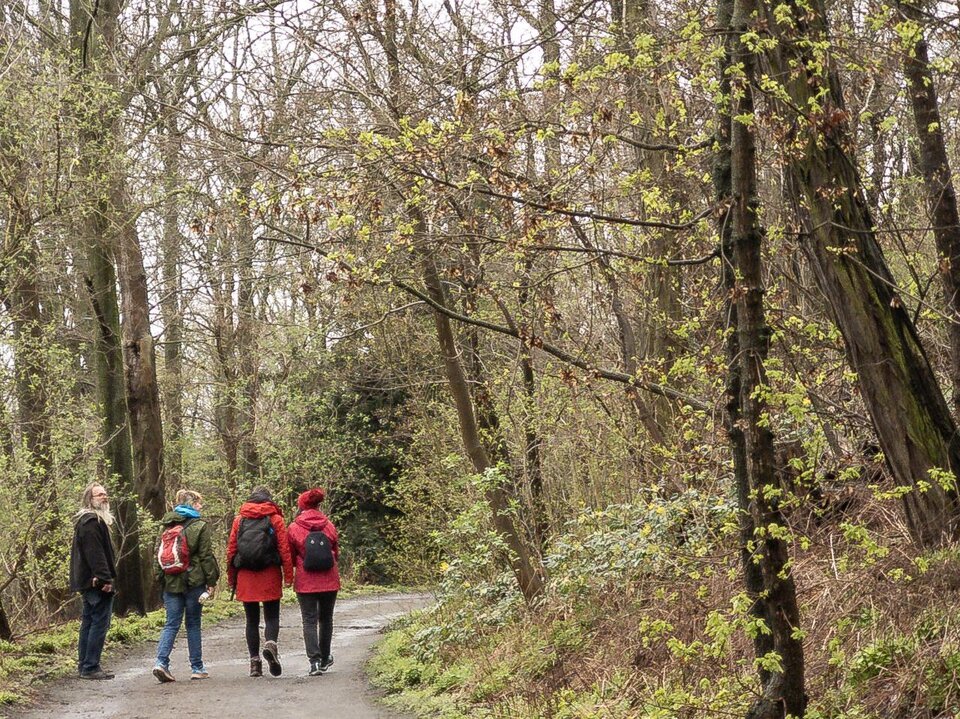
[272, 655]
[256, 668]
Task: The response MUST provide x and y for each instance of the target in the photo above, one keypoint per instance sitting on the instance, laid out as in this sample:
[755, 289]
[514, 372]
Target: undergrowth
[644, 617]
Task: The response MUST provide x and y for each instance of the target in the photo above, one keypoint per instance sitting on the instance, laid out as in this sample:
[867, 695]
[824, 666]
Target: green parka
[203, 570]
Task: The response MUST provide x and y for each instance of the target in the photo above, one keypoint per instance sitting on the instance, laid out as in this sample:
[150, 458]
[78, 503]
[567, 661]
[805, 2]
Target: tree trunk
[938, 183]
[530, 580]
[93, 37]
[170, 310]
[752, 573]
[783, 690]
[139, 355]
[101, 284]
[245, 344]
[499, 498]
[29, 360]
[910, 415]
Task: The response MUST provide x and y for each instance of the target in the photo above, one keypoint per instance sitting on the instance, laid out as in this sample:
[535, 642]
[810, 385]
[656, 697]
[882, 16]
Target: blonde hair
[189, 497]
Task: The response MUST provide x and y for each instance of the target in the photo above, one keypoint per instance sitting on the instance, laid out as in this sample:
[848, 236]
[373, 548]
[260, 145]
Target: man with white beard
[93, 570]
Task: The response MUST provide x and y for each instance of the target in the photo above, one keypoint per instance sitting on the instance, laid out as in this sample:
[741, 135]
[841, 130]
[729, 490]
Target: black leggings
[271, 624]
[316, 611]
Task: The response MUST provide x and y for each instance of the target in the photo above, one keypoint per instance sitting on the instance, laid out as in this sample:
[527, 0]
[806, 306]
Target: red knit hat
[311, 498]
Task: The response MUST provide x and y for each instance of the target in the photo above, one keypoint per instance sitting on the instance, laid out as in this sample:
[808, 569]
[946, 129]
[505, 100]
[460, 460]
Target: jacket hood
[187, 511]
[312, 519]
[255, 510]
[172, 517]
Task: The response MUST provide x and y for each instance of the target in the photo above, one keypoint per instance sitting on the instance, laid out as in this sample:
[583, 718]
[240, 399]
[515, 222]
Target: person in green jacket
[185, 584]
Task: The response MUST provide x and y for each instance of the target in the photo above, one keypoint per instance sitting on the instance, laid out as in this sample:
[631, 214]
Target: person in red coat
[258, 563]
[316, 589]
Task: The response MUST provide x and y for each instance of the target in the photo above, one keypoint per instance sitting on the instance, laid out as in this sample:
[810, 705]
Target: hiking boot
[272, 656]
[163, 674]
[199, 674]
[326, 664]
[256, 667]
[97, 675]
[315, 669]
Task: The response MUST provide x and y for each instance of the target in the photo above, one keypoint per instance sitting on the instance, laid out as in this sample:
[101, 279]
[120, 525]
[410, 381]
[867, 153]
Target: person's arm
[334, 540]
[283, 545]
[231, 553]
[296, 545]
[206, 558]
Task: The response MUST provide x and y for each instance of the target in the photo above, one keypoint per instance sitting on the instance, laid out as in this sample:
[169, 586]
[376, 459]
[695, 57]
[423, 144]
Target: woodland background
[633, 325]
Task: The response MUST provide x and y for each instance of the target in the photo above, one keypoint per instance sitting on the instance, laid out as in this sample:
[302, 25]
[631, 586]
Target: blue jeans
[94, 623]
[177, 605]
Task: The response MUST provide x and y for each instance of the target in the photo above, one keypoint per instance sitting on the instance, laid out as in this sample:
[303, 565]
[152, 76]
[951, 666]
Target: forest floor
[343, 692]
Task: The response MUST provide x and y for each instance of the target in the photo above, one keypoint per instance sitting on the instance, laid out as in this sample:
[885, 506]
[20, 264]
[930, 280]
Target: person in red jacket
[258, 562]
[316, 589]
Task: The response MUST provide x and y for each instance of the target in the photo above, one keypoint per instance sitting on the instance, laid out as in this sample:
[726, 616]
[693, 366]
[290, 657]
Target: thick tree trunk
[93, 36]
[139, 355]
[910, 415]
[6, 631]
[101, 284]
[938, 183]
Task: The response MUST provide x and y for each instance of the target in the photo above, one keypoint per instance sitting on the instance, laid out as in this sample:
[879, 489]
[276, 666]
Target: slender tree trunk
[646, 99]
[245, 344]
[752, 573]
[937, 181]
[499, 497]
[170, 309]
[783, 690]
[910, 415]
[29, 359]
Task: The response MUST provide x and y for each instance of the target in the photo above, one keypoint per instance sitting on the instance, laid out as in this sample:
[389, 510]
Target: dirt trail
[341, 693]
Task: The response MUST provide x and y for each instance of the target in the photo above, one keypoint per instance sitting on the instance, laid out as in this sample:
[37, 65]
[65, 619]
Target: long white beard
[103, 513]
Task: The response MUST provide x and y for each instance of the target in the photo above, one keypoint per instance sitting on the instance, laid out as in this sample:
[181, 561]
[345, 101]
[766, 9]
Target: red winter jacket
[263, 585]
[312, 520]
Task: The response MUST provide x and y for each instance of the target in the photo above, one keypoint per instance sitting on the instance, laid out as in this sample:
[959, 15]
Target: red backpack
[174, 552]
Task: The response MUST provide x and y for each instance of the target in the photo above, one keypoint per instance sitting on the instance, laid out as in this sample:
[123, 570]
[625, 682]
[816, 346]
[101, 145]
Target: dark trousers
[271, 624]
[94, 623]
[316, 611]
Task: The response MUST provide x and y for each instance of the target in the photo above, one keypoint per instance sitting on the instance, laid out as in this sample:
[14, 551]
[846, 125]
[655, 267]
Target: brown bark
[734, 422]
[170, 309]
[93, 36]
[909, 413]
[499, 497]
[783, 691]
[139, 357]
[938, 183]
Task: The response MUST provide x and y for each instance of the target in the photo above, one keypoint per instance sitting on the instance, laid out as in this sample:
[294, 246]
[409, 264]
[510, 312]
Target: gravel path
[341, 693]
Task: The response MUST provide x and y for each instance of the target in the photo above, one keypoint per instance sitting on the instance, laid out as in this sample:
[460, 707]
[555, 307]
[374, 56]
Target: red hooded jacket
[263, 585]
[313, 520]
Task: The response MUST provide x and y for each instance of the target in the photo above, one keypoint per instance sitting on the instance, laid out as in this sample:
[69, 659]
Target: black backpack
[256, 544]
[317, 552]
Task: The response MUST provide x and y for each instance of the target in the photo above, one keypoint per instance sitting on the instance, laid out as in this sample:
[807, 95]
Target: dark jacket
[313, 520]
[263, 585]
[203, 563]
[91, 554]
